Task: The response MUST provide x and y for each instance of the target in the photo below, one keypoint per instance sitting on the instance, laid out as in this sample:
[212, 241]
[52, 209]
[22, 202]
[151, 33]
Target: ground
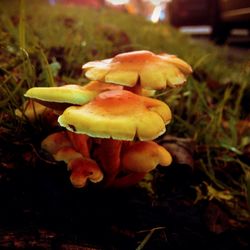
[41, 210]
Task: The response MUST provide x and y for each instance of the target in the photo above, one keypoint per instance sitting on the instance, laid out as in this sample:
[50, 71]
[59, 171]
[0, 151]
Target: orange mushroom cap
[144, 157]
[66, 145]
[31, 110]
[64, 96]
[54, 142]
[83, 169]
[152, 71]
[118, 114]
[66, 154]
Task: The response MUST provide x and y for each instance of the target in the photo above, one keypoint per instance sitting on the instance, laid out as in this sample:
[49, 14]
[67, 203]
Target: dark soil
[41, 210]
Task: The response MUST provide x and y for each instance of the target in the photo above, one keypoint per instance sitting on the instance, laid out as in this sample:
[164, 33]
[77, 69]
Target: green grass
[44, 45]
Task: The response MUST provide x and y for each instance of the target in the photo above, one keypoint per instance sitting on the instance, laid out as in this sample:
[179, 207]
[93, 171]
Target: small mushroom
[66, 154]
[118, 114]
[60, 147]
[144, 156]
[32, 110]
[83, 169]
[139, 158]
[143, 67]
[54, 142]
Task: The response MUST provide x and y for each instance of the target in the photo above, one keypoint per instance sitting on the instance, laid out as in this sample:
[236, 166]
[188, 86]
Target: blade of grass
[46, 68]
[200, 61]
[21, 26]
[11, 94]
[247, 179]
[216, 181]
[237, 108]
[186, 124]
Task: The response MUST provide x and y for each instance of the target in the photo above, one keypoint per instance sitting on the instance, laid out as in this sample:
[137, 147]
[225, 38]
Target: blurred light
[83, 43]
[158, 2]
[155, 17]
[52, 2]
[239, 32]
[196, 30]
[118, 2]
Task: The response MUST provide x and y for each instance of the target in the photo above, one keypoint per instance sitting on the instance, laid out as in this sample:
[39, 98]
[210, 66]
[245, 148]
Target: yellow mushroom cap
[83, 169]
[118, 114]
[64, 96]
[152, 71]
[145, 156]
[73, 94]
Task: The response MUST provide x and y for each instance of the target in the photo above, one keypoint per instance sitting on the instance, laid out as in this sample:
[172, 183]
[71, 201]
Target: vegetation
[43, 45]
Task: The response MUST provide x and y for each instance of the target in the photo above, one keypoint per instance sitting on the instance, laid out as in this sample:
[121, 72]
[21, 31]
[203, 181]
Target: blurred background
[222, 20]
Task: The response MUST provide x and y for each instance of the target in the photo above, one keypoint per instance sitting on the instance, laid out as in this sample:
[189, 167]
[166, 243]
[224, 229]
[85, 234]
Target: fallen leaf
[181, 149]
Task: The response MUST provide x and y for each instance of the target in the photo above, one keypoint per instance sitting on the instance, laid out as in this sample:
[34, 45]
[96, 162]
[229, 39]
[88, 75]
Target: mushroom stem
[80, 143]
[108, 154]
[136, 89]
[128, 180]
[83, 169]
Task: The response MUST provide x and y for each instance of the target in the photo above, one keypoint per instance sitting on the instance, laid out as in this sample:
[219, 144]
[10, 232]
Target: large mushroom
[116, 116]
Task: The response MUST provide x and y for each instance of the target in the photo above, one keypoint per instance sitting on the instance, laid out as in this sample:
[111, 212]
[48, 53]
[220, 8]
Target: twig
[148, 236]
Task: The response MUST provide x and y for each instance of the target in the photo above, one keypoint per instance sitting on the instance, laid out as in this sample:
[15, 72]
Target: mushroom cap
[144, 157]
[31, 110]
[71, 94]
[66, 154]
[55, 141]
[152, 71]
[118, 114]
[83, 169]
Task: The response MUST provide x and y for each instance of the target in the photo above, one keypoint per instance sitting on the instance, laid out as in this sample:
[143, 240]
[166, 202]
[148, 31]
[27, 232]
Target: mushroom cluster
[111, 122]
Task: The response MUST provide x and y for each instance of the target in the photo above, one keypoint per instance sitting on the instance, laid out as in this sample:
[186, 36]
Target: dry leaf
[181, 149]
